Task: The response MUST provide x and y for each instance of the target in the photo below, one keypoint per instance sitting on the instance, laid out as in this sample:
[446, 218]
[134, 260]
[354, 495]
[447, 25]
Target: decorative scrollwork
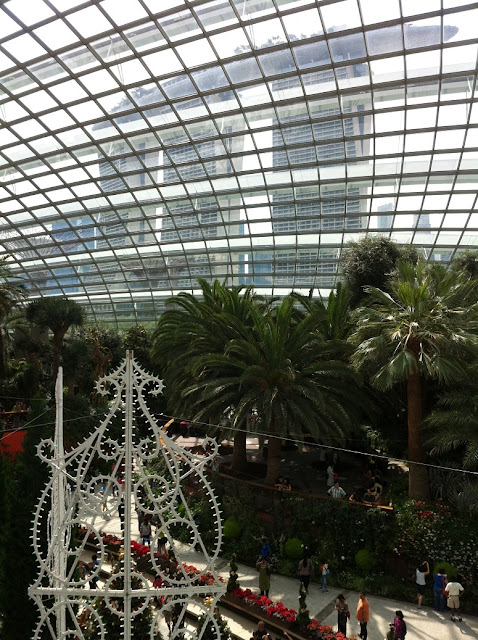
[127, 468]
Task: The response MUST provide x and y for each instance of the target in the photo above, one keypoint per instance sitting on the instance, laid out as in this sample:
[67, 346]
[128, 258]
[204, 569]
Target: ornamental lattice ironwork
[126, 465]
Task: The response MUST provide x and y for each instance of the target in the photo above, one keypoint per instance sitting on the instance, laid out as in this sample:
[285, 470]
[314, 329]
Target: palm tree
[421, 330]
[12, 293]
[195, 327]
[57, 314]
[453, 424]
[283, 369]
[334, 313]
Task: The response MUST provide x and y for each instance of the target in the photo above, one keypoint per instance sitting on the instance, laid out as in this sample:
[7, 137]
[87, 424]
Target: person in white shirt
[454, 591]
[330, 476]
[336, 492]
[421, 572]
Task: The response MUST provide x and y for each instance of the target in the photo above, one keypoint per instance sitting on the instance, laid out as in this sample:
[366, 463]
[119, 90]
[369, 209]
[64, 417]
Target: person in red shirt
[363, 615]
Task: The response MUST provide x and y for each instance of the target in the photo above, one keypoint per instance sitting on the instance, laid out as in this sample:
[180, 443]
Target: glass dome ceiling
[146, 143]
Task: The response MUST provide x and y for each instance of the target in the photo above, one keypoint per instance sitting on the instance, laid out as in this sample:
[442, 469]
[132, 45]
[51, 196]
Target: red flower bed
[139, 550]
[316, 631]
[276, 609]
[324, 632]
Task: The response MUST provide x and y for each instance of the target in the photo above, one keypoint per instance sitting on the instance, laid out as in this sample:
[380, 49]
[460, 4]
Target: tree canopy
[425, 328]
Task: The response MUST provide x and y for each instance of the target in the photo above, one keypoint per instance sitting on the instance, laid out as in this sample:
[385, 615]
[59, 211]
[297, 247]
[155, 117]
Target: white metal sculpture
[115, 470]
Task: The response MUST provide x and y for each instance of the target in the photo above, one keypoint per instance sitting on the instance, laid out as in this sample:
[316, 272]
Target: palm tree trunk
[3, 365]
[273, 460]
[418, 476]
[239, 453]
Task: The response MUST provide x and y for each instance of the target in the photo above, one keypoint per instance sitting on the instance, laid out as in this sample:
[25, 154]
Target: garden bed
[277, 617]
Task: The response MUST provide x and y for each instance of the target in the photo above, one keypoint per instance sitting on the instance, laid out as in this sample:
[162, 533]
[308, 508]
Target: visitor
[140, 513]
[279, 483]
[286, 485]
[399, 626]
[377, 489]
[162, 542]
[305, 571]
[94, 566]
[145, 532]
[365, 476]
[336, 492]
[157, 584]
[84, 570]
[103, 495]
[265, 551]
[330, 476]
[368, 496]
[439, 583]
[343, 613]
[363, 615]
[265, 571]
[121, 514]
[260, 633]
[324, 572]
[453, 591]
[357, 495]
[421, 572]
[391, 632]
[168, 617]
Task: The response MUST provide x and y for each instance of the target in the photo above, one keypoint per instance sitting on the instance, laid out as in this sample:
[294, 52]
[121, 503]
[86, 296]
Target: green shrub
[232, 528]
[286, 567]
[364, 560]
[450, 571]
[294, 548]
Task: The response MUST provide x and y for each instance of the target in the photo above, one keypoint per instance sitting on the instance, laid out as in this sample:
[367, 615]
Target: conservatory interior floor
[423, 624]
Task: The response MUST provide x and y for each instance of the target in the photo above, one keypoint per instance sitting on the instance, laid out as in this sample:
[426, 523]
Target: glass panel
[230, 43]
[305, 24]
[347, 47]
[277, 62]
[243, 70]
[380, 41]
[196, 53]
[312, 55]
[374, 11]
[211, 78]
[179, 25]
[24, 48]
[334, 14]
[89, 22]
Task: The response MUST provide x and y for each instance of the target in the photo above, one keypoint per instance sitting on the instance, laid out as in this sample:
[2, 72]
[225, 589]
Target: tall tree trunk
[239, 453]
[418, 476]
[57, 345]
[3, 359]
[273, 459]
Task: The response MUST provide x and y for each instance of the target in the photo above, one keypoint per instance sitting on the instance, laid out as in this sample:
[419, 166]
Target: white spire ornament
[106, 477]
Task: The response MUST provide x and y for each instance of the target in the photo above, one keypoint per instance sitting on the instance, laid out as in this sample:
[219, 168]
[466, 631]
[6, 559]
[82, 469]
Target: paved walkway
[423, 624]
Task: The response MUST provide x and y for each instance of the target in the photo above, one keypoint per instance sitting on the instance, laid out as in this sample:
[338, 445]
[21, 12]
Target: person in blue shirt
[95, 563]
[266, 551]
[439, 583]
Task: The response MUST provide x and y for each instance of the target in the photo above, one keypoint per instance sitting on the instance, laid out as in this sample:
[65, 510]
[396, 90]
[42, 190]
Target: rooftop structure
[144, 144]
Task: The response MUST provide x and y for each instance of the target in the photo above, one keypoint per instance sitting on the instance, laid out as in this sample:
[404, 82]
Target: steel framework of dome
[146, 143]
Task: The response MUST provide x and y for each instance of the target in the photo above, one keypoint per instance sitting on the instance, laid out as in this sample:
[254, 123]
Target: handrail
[301, 494]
